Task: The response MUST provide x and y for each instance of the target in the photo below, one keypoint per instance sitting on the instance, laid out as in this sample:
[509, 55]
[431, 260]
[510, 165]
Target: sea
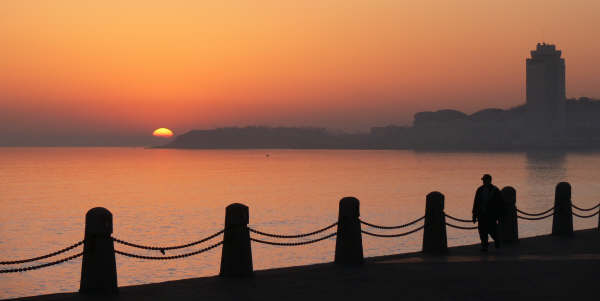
[163, 197]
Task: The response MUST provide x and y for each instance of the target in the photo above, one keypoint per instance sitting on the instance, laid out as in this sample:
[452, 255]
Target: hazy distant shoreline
[432, 149]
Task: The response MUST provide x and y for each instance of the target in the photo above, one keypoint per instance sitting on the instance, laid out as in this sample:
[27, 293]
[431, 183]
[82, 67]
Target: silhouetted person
[487, 209]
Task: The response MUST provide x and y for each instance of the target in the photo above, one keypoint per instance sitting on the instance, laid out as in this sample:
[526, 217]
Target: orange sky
[77, 68]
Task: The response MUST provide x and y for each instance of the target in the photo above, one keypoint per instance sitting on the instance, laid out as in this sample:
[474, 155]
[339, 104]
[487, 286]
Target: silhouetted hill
[438, 117]
[268, 137]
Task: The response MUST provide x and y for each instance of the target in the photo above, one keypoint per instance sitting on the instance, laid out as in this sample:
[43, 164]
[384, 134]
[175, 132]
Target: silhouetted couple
[487, 209]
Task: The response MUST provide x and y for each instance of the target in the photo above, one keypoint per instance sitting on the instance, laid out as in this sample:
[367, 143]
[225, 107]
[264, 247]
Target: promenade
[537, 268]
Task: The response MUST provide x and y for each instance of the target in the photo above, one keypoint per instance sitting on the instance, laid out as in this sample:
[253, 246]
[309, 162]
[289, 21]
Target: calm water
[167, 197]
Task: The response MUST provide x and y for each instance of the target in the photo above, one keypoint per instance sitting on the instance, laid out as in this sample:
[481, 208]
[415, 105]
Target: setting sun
[163, 133]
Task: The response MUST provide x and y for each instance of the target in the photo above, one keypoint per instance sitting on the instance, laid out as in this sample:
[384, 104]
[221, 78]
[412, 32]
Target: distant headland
[548, 120]
[489, 129]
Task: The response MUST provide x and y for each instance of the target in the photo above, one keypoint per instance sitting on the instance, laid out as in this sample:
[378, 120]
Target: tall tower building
[546, 98]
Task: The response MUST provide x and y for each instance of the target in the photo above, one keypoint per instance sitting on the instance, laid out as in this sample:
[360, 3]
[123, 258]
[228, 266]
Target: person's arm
[476, 205]
[499, 204]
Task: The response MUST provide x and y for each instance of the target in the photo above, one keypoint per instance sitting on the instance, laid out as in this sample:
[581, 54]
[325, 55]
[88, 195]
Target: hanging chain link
[393, 235]
[17, 270]
[42, 257]
[163, 249]
[392, 227]
[458, 219]
[583, 209]
[293, 236]
[535, 218]
[461, 227]
[169, 257]
[290, 244]
[535, 214]
[587, 216]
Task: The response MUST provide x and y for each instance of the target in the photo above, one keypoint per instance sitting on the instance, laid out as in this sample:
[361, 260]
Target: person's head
[487, 179]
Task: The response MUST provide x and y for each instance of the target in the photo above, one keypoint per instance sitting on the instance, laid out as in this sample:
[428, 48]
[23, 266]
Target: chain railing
[521, 215]
[292, 244]
[535, 214]
[294, 235]
[75, 245]
[584, 209]
[461, 227]
[392, 227]
[291, 236]
[35, 267]
[169, 257]
[587, 216]
[393, 235]
[462, 220]
[535, 218]
[458, 219]
[163, 249]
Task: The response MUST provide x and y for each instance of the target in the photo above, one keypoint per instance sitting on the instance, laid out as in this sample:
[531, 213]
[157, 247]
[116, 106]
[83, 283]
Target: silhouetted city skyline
[546, 120]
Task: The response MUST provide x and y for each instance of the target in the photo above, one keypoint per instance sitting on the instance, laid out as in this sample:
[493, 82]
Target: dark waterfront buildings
[546, 93]
[548, 120]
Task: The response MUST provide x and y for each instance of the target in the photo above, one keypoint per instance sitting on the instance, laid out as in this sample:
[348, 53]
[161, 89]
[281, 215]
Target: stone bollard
[236, 256]
[348, 244]
[562, 222]
[508, 222]
[98, 267]
[435, 240]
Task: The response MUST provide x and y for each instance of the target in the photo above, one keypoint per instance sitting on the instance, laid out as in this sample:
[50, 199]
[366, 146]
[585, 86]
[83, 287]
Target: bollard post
[98, 267]
[508, 221]
[435, 240]
[562, 221]
[236, 256]
[348, 244]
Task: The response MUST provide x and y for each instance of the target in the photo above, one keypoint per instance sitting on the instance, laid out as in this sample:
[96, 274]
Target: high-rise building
[546, 99]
